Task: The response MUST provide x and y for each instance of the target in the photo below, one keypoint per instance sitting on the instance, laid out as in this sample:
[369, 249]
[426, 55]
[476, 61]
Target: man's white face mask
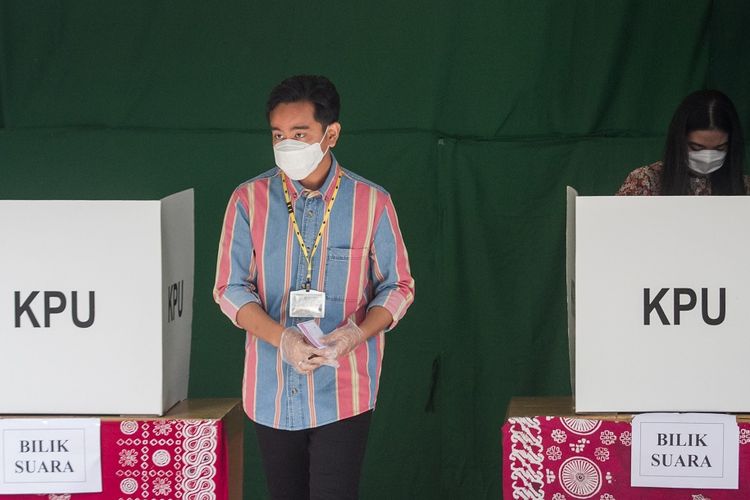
[705, 161]
[298, 159]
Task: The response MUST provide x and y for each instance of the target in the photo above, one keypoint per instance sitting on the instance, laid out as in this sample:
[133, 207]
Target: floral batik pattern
[563, 458]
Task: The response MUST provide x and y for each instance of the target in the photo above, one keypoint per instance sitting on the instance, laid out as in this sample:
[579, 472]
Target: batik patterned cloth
[562, 458]
[158, 460]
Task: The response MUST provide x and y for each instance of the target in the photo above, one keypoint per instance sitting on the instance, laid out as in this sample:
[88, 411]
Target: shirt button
[309, 213]
[294, 391]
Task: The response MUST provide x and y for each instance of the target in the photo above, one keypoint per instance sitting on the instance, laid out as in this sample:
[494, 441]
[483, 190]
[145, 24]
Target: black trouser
[322, 463]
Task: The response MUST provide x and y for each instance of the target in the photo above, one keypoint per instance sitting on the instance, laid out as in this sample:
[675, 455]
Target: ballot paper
[312, 332]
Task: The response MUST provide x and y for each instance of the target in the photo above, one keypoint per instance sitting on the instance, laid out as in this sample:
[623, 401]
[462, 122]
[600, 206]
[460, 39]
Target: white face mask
[705, 161]
[298, 159]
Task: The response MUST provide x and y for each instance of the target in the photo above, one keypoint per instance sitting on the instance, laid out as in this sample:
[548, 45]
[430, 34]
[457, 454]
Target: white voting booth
[95, 305]
[659, 303]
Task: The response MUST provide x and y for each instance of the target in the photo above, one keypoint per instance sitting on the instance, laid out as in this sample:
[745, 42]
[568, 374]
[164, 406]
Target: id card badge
[307, 304]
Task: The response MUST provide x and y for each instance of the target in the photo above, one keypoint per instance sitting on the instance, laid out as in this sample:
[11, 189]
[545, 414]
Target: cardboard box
[658, 301]
[95, 305]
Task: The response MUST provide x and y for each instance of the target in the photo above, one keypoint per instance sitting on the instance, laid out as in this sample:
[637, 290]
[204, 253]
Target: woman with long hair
[704, 153]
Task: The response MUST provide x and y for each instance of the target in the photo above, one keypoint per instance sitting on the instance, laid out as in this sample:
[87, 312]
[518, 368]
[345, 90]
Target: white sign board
[660, 305]
[672, 450]
[50, 456]
[95, 305]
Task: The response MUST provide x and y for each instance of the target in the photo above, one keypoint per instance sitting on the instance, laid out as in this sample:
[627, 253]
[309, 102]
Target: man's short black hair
[312, 88]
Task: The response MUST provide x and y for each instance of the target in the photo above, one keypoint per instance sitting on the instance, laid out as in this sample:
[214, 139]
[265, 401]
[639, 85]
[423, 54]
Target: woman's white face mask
[298, 159]
[705, 161]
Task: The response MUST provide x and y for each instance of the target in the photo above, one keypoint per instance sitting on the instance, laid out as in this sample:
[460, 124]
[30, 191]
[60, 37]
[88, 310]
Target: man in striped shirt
[311, 240]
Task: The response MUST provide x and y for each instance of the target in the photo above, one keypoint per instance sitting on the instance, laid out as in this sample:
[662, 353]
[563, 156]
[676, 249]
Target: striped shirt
[361, 262]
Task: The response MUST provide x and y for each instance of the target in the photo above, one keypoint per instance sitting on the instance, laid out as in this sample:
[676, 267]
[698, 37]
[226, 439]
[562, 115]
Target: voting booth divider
[657, 325]
[96, 305]
[657, 293]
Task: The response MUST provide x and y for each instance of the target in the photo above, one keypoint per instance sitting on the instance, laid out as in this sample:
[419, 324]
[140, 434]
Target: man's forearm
[255, 320]
[378, 319]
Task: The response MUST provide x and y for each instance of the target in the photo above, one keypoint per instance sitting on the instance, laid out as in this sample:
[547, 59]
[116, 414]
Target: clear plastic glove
[295, 350]
[342, 340]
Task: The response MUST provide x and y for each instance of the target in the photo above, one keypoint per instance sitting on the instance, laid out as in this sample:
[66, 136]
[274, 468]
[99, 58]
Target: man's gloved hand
[342, 340]
[295, 350]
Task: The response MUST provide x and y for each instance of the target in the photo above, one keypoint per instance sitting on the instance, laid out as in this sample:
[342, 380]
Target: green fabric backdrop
[475, 115]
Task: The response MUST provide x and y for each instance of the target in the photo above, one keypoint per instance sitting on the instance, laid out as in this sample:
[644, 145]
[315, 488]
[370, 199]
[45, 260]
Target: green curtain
[474, 115]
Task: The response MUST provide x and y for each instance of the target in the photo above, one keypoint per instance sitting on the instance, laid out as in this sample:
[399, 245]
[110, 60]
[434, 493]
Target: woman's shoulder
[643, 181]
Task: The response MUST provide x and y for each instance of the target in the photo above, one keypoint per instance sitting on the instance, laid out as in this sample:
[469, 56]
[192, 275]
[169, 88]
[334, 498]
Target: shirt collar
[326, 189]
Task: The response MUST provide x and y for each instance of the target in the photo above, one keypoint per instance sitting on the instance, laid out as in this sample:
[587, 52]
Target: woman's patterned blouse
[646, 181]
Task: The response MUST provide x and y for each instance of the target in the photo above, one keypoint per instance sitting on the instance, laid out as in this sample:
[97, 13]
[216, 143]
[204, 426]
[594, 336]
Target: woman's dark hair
[316, 89]
[703, 110]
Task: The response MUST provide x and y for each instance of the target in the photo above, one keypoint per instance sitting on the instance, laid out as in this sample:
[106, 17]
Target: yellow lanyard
[290, 208]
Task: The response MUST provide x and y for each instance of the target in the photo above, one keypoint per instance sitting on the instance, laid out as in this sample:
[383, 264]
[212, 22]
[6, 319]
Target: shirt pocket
[346, 274]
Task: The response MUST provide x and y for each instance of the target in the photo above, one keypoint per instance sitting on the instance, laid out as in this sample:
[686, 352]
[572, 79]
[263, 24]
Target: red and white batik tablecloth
[159, 459]
[562, 458]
